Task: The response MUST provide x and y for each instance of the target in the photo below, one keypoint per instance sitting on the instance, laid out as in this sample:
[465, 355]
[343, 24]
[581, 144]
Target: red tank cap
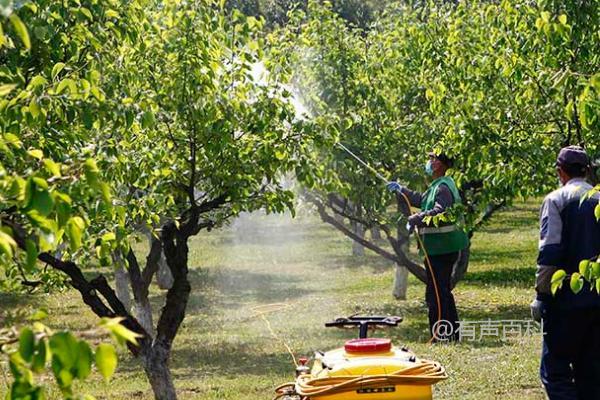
[370, 345]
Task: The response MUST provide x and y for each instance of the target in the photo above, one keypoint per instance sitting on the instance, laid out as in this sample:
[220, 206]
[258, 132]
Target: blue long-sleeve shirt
[443, 200]
[569, 233]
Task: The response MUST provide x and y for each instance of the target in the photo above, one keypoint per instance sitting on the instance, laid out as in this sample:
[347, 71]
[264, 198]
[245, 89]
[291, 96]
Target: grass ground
[225, 351]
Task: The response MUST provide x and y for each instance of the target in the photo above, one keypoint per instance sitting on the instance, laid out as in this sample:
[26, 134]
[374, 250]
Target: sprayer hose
[424, 373]
[433, 278]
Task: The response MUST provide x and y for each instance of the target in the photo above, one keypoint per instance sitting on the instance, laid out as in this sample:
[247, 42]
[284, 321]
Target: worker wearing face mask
[443, 240]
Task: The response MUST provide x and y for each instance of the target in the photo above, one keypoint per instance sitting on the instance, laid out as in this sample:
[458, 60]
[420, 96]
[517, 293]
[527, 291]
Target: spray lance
[377, 174]
[408, 227]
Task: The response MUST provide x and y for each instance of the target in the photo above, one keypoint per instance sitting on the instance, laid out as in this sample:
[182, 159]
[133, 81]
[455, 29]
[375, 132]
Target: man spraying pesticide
[373, 368]
[441, 244]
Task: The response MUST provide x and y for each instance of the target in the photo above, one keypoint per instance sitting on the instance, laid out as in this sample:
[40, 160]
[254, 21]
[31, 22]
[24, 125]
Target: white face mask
[429, 168]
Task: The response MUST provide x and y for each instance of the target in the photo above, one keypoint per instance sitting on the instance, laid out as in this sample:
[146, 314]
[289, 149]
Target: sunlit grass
[225, 351]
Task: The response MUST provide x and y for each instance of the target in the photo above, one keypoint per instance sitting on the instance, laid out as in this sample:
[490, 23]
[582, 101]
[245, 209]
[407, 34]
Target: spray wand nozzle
[363, 163]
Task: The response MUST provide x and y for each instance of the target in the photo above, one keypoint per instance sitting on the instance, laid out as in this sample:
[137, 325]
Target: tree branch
[88, 289]
[490, 210]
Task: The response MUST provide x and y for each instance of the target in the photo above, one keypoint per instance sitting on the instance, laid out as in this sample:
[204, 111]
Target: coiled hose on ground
[424, 373]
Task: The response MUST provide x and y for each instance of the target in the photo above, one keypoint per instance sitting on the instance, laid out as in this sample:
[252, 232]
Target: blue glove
[394, 186]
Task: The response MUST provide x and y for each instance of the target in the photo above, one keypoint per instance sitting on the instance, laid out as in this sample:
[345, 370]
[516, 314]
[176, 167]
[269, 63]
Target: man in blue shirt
[569, 233]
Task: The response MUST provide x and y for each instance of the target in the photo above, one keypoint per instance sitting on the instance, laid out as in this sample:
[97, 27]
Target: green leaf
[597, 212]
[147, 120]
[13, 140]
[31, 255]
[90, 169]
[585, 268]
[83, 365]
[6, 89]
[576, 282]
[97, 94]
[598, 286]
[20, 29]
[65, 348]
[87, 13]
[105, 192]
[7, 244]
[52, 167]
[56, 69]
[280, 155]
[595, 267]
[110, 236]
[557, 279]
[106, 360]
[39, 315]
[74, 230]
[119, 332]
[36, 153]
[562, 19]
[65, 379]
[36, 81]
[26, 344]
[546, 16]
[66, 83]
[34, 108]
[111, 14]
[39, 197]
[41, 356]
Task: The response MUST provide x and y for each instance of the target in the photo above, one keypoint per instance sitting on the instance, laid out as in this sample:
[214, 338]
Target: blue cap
[573, 155]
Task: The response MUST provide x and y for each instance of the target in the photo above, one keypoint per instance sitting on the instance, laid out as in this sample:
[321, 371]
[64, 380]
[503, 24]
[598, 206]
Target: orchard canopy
[123, 116]
[499, 86]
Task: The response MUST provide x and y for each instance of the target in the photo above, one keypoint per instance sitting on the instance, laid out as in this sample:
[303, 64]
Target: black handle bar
[364, 323]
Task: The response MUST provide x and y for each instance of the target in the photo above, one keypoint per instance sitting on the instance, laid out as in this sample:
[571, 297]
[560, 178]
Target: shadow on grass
[377, 263]
[234, 287]
[228, 359]
[415, 328]
[17, 308]
[514, 218]
[523, 277]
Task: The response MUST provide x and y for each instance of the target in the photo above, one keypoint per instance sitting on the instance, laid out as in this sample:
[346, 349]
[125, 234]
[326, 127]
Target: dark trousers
[442, 266]
[570, 368]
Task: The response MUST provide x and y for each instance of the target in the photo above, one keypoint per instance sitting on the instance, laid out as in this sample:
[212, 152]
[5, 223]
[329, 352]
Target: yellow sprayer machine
[364, 369]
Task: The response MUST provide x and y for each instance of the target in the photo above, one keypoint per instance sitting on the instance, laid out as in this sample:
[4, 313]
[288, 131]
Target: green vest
[443, 239]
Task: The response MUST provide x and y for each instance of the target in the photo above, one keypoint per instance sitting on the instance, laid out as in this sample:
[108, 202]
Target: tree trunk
[122, 281]
[357, 248]
[143, 313]
[461, 266]
[164, 278]
[156, 366]
[400, 282]
[401, 276]
[375, 233]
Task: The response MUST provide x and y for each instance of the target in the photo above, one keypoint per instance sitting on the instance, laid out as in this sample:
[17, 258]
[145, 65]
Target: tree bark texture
[358, 250]
[122, 281]
[156, 365]
[376, 233]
